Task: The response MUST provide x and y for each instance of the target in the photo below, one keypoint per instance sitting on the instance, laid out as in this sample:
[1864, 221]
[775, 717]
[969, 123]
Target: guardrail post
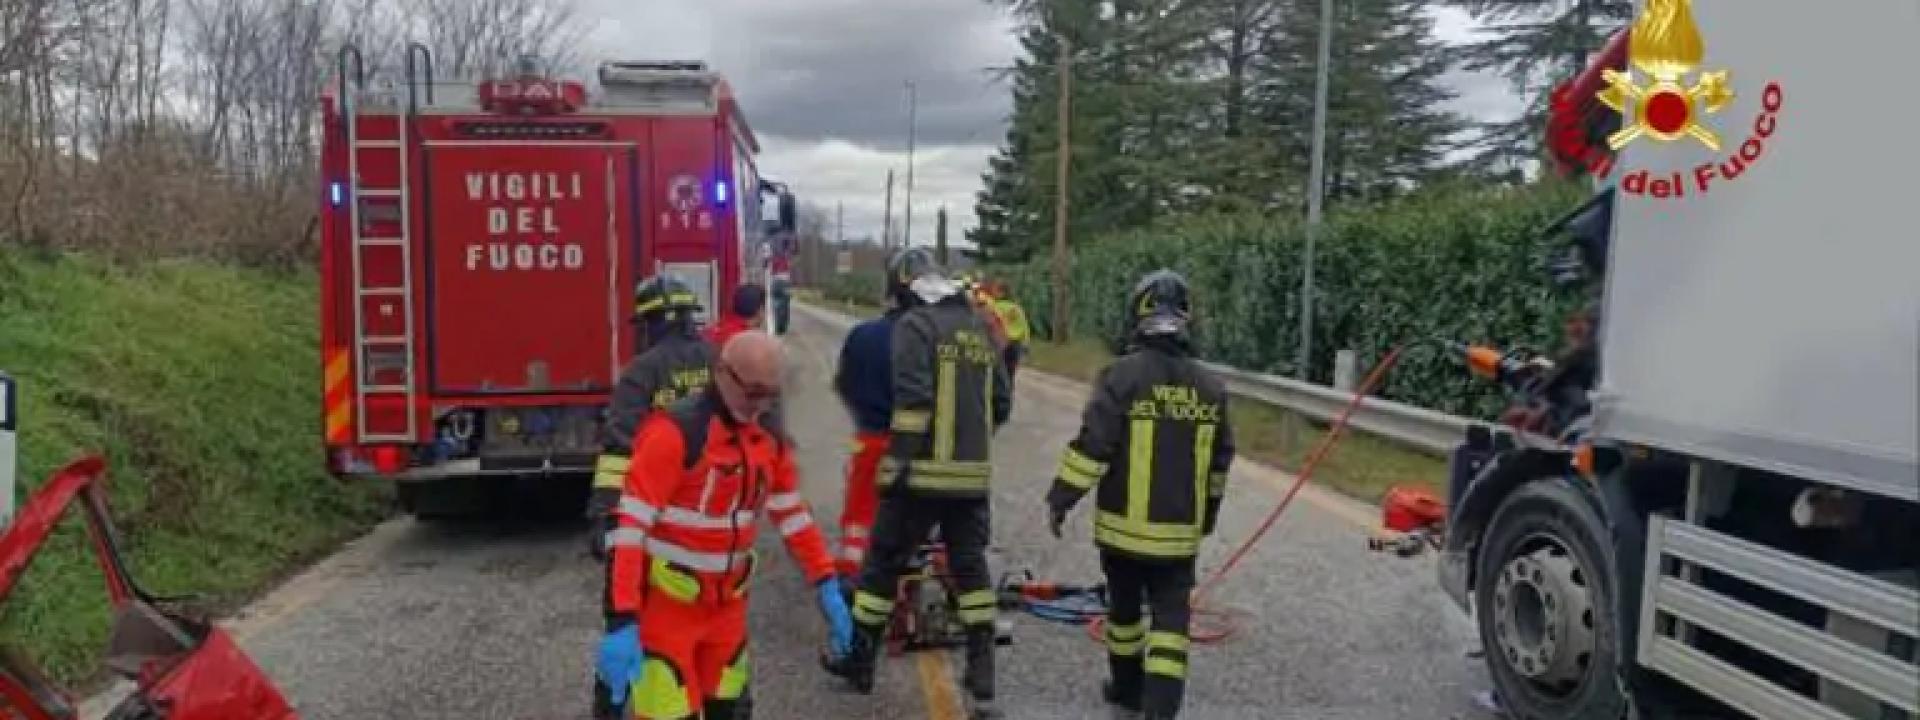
[9, 423]
[1345, 368]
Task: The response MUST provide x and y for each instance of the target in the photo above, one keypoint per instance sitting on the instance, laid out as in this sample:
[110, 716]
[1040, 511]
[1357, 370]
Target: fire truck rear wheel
[1542, 596]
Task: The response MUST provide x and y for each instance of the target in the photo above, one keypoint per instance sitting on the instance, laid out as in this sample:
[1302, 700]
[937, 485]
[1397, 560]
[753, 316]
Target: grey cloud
[835, 68]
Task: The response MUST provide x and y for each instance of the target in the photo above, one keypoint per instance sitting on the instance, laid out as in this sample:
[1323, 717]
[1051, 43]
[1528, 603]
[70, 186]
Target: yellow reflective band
[1216, 484]
[1127, 640]
[1136, 631]
[1078, 470]
[953, 469]
[733, 680]
[649, 305]
[610, 471]
[870, 609]
[1165, 667]
[943, 412]
[910, 421]
[1202, 458]
[1079, 461]
[1169, 540]
[677, 585]
[977, 607]
[683, 299]
[1162, 640]
[1140, 469]
[938, 481]
[1167, 654]
[659, 693]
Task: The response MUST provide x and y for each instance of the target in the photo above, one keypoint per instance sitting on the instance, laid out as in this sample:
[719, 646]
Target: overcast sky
[823, 83]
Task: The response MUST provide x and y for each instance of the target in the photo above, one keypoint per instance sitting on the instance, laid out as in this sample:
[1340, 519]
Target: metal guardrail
[1415, 427]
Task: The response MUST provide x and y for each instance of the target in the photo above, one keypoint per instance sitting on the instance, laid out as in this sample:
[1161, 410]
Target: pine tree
[1535, 44]
[1386, 130]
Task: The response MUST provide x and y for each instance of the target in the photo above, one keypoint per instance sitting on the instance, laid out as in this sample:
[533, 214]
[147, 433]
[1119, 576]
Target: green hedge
[866, 287]
[1459, 263]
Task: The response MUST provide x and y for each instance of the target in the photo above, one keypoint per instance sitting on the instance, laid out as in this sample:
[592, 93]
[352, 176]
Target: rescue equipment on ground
[926, 609]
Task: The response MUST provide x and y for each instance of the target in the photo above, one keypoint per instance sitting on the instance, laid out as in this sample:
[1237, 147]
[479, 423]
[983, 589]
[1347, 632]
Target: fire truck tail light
[337, 193]
[720, 192]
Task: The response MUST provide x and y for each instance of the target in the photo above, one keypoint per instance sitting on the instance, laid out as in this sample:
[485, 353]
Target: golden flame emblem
[1665, 45]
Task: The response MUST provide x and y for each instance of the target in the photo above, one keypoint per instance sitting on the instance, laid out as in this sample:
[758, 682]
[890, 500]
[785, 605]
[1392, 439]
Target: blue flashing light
[720, 192]
[337, 193]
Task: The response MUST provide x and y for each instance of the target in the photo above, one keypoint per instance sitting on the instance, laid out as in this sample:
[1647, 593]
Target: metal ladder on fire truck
[373, 383]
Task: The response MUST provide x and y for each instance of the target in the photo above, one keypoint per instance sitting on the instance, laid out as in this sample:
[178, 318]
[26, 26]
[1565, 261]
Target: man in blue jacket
[864, 381]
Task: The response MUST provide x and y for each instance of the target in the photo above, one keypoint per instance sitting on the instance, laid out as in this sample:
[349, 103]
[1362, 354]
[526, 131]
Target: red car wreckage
[184, 668]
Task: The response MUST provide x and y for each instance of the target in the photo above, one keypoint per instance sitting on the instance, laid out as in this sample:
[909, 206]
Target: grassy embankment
[201, 385]
[1360, 466]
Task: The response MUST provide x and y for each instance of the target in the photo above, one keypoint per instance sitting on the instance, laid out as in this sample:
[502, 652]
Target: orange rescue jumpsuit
[682, 554]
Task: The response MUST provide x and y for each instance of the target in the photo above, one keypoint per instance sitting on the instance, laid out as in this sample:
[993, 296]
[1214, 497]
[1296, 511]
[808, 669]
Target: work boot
[857, 667]
[978, 678]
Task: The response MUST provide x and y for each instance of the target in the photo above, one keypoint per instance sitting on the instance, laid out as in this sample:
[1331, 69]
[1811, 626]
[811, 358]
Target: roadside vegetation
[199, 383]
[159, 205]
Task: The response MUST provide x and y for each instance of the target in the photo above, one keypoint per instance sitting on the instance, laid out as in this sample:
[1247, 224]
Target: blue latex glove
[619, 660]
[833, 604]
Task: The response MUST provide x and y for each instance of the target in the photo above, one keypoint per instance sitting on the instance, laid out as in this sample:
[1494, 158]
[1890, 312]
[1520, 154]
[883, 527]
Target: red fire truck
[480, 244]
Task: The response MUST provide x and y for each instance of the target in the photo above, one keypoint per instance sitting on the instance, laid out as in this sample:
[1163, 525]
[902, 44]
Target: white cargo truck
[1727, 524]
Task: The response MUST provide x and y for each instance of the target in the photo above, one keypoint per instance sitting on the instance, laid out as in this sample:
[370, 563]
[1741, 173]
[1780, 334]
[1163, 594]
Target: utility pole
[839, 234]
[1316, 188]
[913, 108]
[1064, 68]
[940, 235]
[886, 218]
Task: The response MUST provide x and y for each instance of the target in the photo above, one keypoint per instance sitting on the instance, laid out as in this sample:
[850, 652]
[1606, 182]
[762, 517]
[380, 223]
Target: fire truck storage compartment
[526, 243]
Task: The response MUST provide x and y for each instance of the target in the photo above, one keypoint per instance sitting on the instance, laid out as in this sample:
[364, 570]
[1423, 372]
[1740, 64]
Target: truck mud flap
[1857, 684]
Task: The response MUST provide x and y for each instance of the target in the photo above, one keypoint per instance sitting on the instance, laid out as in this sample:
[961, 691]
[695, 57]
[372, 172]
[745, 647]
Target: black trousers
[1148, 656]
[904, 521]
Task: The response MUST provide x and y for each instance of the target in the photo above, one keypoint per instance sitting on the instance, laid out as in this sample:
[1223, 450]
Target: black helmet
[1159, 304]
[914, 277]
[664, 297]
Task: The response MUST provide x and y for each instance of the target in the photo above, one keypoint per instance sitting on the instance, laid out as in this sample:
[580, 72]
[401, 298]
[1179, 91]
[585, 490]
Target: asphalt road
[419, 621]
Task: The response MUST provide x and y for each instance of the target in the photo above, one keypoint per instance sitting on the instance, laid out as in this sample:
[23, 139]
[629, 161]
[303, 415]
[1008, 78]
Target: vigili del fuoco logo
[1666, 96]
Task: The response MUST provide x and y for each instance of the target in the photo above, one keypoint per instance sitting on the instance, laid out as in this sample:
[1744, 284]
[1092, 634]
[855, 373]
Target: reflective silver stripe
[701, 561]
[639, 510]
[684, 517]
[626, 537]
[784, 501]
[855, 531]
[797, 522]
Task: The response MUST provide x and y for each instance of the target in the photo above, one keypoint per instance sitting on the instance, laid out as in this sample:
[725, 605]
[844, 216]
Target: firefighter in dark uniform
[1154, 448]
[949, 396]
[673, 363]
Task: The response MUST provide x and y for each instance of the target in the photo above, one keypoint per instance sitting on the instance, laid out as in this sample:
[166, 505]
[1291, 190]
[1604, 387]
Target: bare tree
[191, 125]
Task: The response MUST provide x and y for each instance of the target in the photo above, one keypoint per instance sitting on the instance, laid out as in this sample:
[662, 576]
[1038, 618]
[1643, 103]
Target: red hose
[1211, 625]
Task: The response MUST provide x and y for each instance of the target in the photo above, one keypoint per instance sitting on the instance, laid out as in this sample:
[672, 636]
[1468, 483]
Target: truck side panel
[691, 207]
[1765, 312]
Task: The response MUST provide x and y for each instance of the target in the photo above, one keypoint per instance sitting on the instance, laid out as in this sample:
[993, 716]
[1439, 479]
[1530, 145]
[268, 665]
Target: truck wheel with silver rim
[1542, 597]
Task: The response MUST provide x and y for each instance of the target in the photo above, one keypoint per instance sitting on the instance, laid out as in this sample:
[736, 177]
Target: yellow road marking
[936, 683]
